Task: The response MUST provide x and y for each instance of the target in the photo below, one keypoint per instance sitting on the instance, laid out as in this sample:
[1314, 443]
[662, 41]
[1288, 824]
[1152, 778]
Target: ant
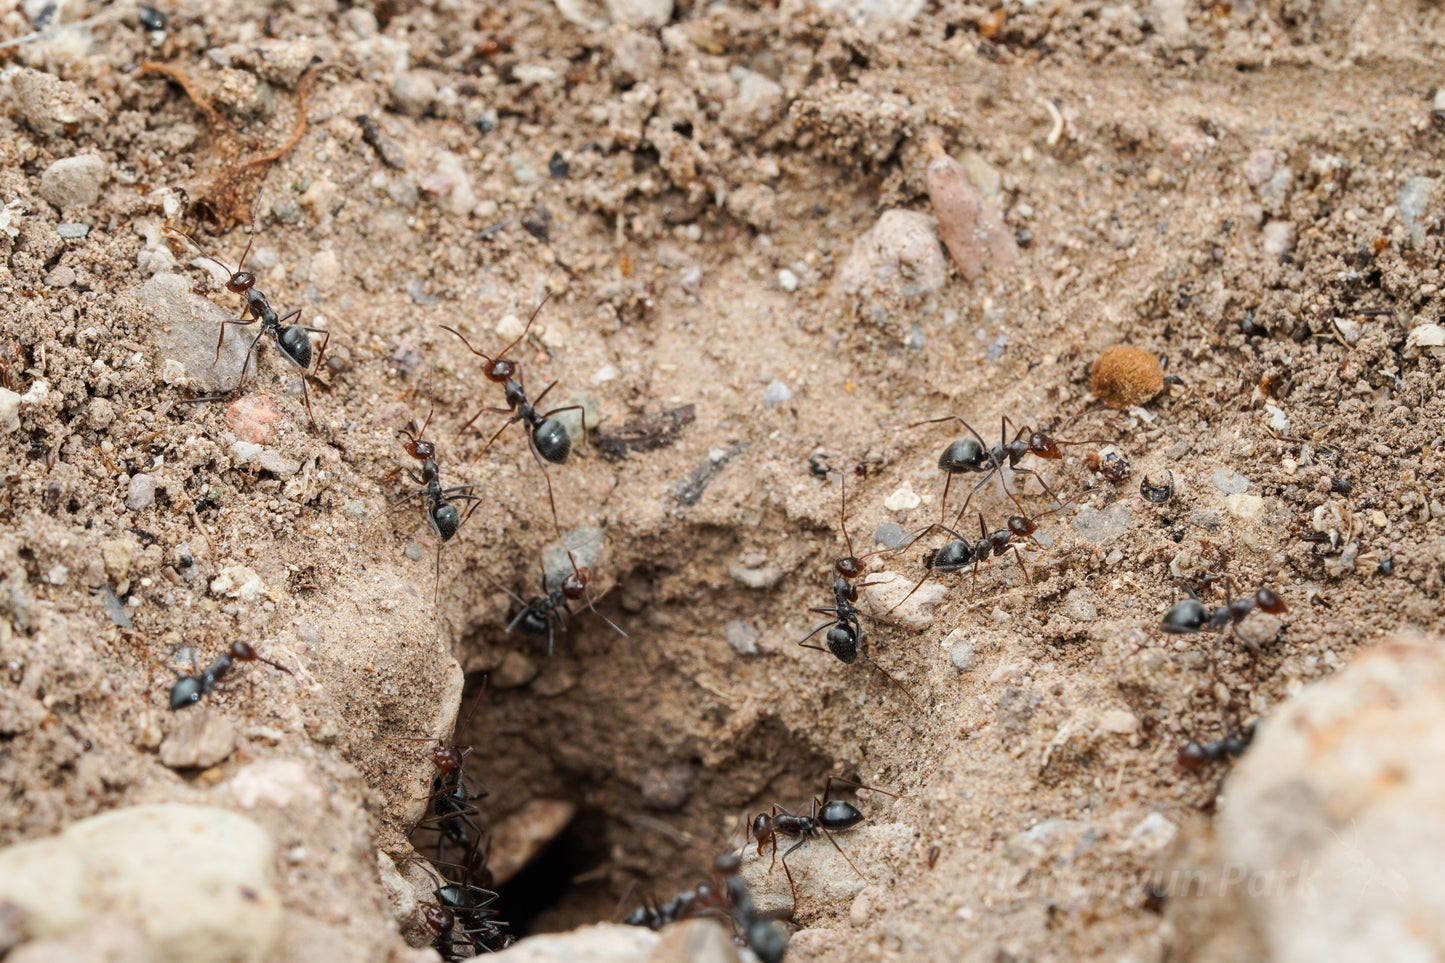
[825, 818]
[453, 802]
[845, 630]
[543, 614]
[546, 436]
[188, 689]
[975, 456]
[294, 340]
[1189, 616]
[766, 936]
[438, 504]
[463, 910]
[1195, 754]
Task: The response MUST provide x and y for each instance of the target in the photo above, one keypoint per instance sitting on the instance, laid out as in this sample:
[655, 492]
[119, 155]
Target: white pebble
[902, 499]
[787, 280]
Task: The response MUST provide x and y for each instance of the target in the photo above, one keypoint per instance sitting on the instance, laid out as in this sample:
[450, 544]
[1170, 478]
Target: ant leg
[505, 425]
[321, 351]
[987, 477]
[306, 397]
[239, 322]
[840, 853]
[1018, 557]
[804, 640]
[828, 785]
[889, 676]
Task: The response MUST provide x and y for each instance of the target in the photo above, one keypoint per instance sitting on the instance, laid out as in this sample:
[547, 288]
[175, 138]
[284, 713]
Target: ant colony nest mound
[637, 484]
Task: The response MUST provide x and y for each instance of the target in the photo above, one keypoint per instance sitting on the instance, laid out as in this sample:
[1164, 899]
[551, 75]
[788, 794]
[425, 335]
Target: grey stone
[9, 411]
[143, 862]
[776, 393]
[71, 230]
[413, 92]
[50, 105]
[184, 327]
[74, 182]
[1411, 200]
[636, 56]
[142, 492]
[1101, 527]
[1229, 481]
[741, 635]
[1209, 519]
[899, 254]
[637, 13]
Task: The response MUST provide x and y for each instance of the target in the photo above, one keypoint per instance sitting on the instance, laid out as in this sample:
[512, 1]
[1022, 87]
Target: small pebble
[413, 551]
[200, 740]
[74, 182]
[1119, 722]
[1229, 481]
[253, 418]
[666, 788]
[964, 656]
[1279, 238]
[972, 227]
[71, 230]
[902, 499]
[515, 670]
[277, 463]
[890, 535]
[1411, 202]
[742, 636]
[9, 411]
[141, 493]
[1153, 833]
[413, 92]
[237, 582]
[1101, 526]
[1125, 376]
[1209, 519]
[776, 393]
[787, 280]
[1242, 505]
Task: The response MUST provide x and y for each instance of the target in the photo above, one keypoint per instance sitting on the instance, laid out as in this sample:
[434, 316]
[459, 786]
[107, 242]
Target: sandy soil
[1220, 186]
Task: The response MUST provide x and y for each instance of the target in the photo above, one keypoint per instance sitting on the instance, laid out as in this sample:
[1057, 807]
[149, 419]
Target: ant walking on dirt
[845, 630]
[975, 456]
[188, 689]
[546, 436]
[545, 613]
[824, 818]
[294, 340]
[438, 503]
[453, 800]
[1189, 616]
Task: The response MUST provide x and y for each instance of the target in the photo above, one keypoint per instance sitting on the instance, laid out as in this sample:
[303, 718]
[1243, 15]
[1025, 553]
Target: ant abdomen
[187, 691]
[964, 455]
[837, 814]
[1186, 616]
[445, 520]
[953, 556]
[843, 643]
[552, 440]
[297, 344]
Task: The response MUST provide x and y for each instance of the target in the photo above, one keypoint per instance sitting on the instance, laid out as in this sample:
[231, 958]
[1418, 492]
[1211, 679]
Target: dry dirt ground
[1221, 185]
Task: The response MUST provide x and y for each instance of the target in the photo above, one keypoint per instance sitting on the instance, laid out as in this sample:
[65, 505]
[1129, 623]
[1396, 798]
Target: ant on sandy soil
[976, 456]
[439, 504]
[545, 613]
[546, 436]
[1194, 755]
[825, 818]
[188, 689]
[294, 340]
[453, 801]
[1189, 616]
[462, 910]
[845, 630]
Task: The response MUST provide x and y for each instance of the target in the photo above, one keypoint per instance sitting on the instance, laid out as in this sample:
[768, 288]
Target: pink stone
[253, 418]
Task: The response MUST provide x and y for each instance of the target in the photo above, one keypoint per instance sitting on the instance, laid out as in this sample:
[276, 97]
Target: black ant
[439, 504]
[1189, 616]
[188, 689]
[765, 935]
[546, 436]
[294, 340]
[463, 911]
[453, 801]
[975, 456]
[845, 630]
[825, 818]
[1195, 754]
[545, 613]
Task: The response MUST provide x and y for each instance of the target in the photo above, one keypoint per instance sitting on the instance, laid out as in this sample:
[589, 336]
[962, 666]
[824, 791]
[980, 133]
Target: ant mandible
[845, 630]
[294, 340]
[976, 456]
[546, 436]
[1189, 616]
[824, 818]
[439, 504]
[188, 689]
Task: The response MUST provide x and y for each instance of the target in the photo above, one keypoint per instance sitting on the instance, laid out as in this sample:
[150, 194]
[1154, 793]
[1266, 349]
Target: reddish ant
[294, 340]
[439, 504]
[453, 802]
[1195, 754]
[825, 818]
[188, 689]
[546, 436]
[845, 630]
[975, 456]
[545, 613]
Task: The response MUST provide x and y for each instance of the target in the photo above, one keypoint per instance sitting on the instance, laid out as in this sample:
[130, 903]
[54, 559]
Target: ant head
[574, 586]
[243, 651]
[761, 828]
[1191, 757]
[1044, 446]
[240, 282]
[1186, 616]
[420, 449]
[447, 758]
[964, 455]
[849, 567]
[499, 370]
[1020, 526]
[1269, 602]
[439, 918]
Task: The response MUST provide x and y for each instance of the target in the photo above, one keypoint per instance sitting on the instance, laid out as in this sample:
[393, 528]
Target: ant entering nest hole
[607, 777]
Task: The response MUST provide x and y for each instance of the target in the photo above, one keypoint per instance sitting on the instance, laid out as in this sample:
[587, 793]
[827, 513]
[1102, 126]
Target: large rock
[1332, 843]
[198, 882]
